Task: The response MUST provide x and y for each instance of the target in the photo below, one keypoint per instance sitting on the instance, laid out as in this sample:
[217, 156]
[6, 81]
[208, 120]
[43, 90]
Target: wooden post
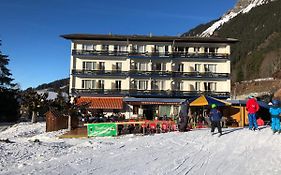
[69, 123]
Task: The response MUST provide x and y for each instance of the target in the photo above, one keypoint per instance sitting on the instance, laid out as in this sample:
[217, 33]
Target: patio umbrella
[207, 100]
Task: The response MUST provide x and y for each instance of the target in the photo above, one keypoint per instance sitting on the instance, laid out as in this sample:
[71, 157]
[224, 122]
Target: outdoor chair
[164, 127]
[152, 127]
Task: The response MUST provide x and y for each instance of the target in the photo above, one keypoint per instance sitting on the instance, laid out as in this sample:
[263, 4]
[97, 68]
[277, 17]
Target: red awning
[102, 102]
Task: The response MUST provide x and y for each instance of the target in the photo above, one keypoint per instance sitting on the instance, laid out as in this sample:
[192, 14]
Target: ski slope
[238, 151]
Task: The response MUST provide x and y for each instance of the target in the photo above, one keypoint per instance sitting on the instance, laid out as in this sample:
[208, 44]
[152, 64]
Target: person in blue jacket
[215, 118]
[275, 112]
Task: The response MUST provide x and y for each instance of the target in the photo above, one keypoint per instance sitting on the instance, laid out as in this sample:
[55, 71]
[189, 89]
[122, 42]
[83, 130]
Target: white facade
[143, 67]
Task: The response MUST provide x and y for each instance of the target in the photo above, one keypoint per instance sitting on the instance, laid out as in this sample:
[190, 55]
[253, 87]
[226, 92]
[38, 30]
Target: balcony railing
[146, 93]
[134, 54]
[155, 73]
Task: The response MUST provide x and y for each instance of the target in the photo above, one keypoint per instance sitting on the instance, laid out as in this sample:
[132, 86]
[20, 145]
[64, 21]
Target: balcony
[152, 74]
[146, 93]
[135, 55]
[90, 73]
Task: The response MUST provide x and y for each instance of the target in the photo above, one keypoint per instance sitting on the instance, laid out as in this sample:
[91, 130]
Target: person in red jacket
[252, 107]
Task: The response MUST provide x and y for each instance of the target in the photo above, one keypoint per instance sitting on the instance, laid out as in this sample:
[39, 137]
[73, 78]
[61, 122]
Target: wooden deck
[76, 133]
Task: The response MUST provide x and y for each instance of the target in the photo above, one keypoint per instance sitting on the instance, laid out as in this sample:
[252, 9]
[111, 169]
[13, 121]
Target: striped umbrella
[207, 100]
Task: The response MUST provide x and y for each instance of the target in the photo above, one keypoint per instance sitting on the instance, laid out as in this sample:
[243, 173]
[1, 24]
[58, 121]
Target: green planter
[102, 129]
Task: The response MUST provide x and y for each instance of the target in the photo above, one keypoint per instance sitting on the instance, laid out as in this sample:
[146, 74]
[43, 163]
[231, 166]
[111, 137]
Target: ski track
[238, 151]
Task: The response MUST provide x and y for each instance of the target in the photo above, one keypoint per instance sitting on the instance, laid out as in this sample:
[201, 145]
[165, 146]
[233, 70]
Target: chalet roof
[148, 38]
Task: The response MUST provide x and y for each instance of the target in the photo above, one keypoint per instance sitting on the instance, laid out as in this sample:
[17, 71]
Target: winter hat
[251, 96]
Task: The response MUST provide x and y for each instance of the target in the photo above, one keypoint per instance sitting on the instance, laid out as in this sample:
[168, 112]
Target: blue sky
[30, 29]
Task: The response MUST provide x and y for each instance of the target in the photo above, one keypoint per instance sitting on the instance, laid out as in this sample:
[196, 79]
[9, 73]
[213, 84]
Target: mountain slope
[242, 6]
[258, 54]
[257, 25]
[57, 85]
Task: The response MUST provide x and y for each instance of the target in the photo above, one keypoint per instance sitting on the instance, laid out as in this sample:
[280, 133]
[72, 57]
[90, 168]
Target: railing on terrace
[150, 54]
[156, 73]
[146, 93]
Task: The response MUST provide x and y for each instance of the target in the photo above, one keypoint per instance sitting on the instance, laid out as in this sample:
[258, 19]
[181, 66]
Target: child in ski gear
[215, 118]
[252, 107]
[275, 112]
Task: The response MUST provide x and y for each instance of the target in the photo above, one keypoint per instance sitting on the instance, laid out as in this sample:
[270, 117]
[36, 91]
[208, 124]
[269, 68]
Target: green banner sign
[102, 129]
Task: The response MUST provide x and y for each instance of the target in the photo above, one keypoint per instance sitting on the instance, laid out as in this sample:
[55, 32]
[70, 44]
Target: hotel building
[147, 75]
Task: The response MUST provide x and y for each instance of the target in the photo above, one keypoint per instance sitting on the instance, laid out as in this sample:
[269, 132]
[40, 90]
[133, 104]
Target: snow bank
[238, 151]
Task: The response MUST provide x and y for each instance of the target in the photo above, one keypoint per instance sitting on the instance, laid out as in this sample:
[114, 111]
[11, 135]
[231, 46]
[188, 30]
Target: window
[155, 48]
[101, 66]
[89, 65]
[210, 86]
[141, 49]
[163, 49]
[100, 84]
[142, 66]
[197, 86]
[180, 49]
[142, 85]
[118, 85]
[166, 49]
[210, 67]
[88, 47]
[196, 49]
[157, 85]
[104, 47]
[118, 66]
[88, 84]
[180, 67]
[159, 66]
[197, 67]
[123, 48]
[213, 50]
[179, 86]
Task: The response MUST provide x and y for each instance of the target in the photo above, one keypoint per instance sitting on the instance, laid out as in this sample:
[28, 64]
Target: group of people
[215, 117]
[252, 107]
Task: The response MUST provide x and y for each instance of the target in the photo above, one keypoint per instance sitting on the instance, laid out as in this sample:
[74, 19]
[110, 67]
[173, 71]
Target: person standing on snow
[215, 118]
[275, 112]
[183, 116]
[252, 107]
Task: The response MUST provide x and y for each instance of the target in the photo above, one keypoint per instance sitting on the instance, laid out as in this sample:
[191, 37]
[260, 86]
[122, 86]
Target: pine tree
[5, 75]
[8, 94]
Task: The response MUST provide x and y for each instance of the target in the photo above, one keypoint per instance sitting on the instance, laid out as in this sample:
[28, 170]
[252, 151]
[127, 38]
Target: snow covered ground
[238, 151]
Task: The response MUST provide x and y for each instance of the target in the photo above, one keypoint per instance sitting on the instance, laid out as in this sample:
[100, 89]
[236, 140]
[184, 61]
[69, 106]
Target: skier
[252, 107]
[275, 112]
[215, 118]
